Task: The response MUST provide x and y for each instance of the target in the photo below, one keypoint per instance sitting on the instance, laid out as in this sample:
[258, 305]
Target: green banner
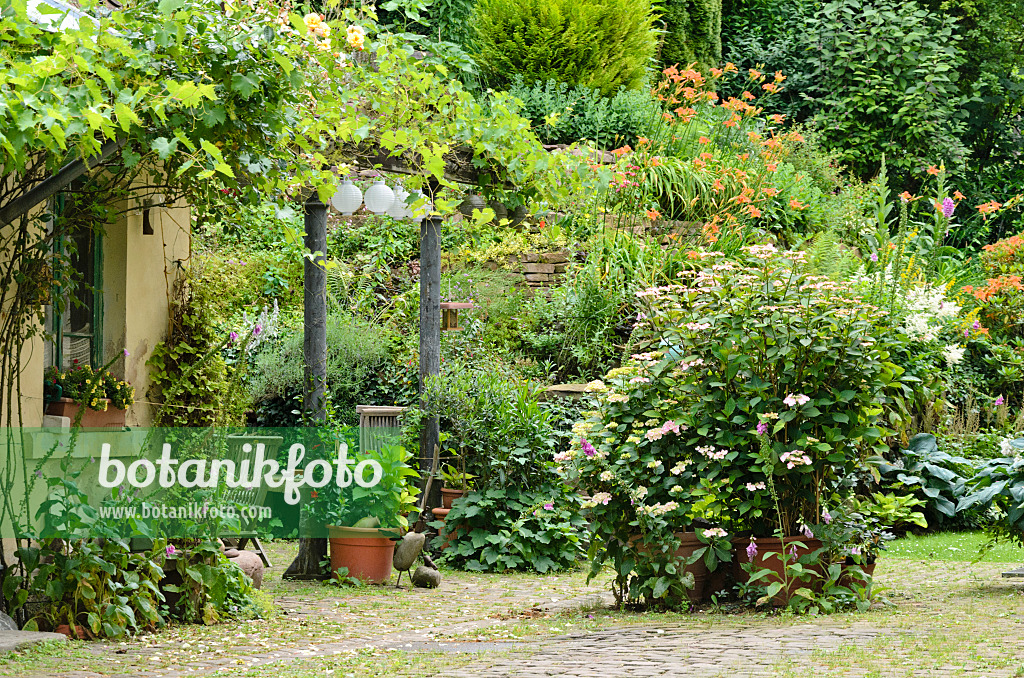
[201, 483]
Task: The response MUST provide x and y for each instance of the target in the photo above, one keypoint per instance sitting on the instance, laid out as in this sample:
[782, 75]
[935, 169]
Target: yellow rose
[312, 20]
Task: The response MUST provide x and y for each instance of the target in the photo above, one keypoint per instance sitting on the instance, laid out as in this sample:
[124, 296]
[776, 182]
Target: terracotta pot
[108, 418]
[846, 577]
[705, 583]
[448, 496]
[79, 631]
[366, 552]
[442, 515]
[701, 576]
[773, 545]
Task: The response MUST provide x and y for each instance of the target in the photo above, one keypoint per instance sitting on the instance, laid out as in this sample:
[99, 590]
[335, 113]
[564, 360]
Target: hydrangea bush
[734, 351]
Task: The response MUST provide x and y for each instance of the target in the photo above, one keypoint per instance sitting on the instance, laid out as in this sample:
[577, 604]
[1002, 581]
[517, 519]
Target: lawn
[953, 546]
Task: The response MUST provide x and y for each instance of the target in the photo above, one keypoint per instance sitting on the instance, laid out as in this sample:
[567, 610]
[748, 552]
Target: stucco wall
[138, 272]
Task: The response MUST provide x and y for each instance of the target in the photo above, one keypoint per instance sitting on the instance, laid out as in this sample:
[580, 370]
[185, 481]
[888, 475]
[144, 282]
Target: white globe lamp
[399, 208]
[417, 214]
[379, 197]
[347, 198]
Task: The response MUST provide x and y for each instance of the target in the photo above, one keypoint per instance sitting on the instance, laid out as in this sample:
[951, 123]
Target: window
[76, 325]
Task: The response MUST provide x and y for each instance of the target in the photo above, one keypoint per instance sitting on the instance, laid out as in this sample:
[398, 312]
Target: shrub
[886, 84]
[355, 349]
[499, 529]
[693, 33]
[563, 115]
[771, 36]
[602, 45]
[742, 354]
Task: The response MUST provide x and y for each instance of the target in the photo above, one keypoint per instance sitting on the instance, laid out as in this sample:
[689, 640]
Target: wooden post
[314, 336]
[430, 338]
[314, 350]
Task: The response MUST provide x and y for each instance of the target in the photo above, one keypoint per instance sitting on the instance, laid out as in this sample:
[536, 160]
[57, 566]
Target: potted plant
[456, 483]
[738, 404]
[105, 397]
[363, 521]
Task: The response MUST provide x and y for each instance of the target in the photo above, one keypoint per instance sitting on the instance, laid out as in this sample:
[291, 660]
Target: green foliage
[210, 588]
[356, 350]
[498, 529]
[187, 370]
[894, 510]
[935, 477]
[693, 33]
[886, 83]
[494, 426]
[388, 502]
[598, 45]
[999, 485]
[563, 115]
[579, 329]
[98, 584]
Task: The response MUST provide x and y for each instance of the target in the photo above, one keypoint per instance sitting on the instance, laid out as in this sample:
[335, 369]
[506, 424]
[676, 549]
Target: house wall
[139, 272]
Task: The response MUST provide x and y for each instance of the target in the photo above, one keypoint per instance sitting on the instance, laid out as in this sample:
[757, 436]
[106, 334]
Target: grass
[953, 546]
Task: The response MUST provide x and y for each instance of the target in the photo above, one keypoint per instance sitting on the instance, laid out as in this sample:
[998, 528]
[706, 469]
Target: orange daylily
[653, 214]
[797, 205]
[933, 170]
[703, 140]
[753, 211]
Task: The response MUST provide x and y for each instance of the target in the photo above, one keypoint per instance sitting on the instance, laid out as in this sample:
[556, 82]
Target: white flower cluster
[659, 509]
[927, 311]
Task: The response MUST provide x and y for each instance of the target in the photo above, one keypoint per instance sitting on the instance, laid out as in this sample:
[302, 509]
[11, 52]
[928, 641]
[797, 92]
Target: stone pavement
[689, 651]
[947, 620]
[12, 641]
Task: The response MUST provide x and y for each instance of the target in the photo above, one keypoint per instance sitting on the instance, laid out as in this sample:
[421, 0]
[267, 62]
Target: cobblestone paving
[743, 651]
[947, 620]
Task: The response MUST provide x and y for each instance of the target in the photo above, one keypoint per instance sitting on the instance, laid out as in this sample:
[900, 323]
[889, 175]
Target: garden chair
[249, 497]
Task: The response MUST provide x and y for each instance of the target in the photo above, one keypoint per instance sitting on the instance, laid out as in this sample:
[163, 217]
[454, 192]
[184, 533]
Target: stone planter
[473, 201]
[108, 418]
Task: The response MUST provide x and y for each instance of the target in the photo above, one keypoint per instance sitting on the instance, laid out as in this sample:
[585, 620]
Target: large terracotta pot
[846, 577]
[108, 418]
[774, 545]
[448, 496]
[366, 552]
[705, 583]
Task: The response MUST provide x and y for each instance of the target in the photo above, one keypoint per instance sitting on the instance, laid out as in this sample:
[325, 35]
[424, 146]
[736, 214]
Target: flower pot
[774, 545]
[442, 515]
[366, 552]
[699, 570]
[846, 576]
[448, 496]
[705, 583]
[108, 418]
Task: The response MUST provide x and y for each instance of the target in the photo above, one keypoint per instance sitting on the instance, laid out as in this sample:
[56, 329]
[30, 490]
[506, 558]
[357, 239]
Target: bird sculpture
[407, 551]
